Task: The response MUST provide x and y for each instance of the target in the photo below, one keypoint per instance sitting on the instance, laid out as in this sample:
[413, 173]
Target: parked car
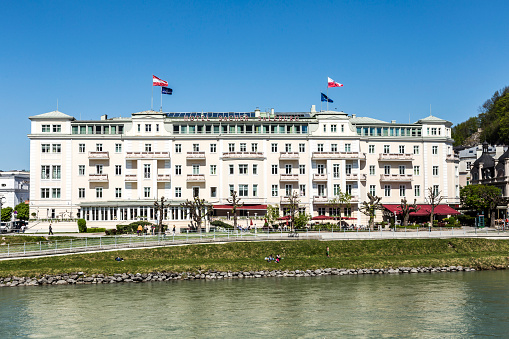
[4, 227]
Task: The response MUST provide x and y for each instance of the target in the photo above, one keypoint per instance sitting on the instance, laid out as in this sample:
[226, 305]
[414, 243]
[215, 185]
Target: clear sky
[395, 58]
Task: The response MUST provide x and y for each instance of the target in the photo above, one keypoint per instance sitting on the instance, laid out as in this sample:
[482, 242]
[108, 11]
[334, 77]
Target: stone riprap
[80, 278]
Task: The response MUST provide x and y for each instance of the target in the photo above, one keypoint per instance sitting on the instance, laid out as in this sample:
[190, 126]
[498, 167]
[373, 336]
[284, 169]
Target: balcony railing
[452, 158]
[319, 177]
[289, 156]
[164, 177]
[396, 177]
[339, 155]
[98, 177]
[98, 155]
[131, 177]
[319, 199]
[195, 155]
[195, 177]
[289, 177]
[243, 155]
[147, 155]
[396, 157]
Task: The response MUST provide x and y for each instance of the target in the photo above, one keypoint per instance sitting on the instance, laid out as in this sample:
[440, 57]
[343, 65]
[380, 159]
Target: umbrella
[322, 217]
[286, 217]
[251, 220]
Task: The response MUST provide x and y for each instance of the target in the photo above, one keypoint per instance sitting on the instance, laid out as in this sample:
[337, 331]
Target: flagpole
[321, 102]
[161, 98]
[152, 99]
[327, 96]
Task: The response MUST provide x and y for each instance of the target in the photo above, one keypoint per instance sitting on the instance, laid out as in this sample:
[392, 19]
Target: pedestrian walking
[140, 229]
[327, 252]
[173, 230]
[50, 230]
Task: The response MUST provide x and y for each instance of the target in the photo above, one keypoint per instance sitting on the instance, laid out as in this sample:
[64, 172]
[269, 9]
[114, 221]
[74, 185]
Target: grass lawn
[302, 254]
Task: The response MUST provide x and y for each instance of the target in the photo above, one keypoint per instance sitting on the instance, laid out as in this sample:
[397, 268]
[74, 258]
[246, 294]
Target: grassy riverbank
[303, 254]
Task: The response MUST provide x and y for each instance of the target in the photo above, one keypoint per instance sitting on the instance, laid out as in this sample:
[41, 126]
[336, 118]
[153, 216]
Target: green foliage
[219, 223]
[132, 227]
[23, 211]
[7, 214]
[82, 225]
[272, 213]
[462, 131]
[466, 219]
[480, 198]
[301, 220]
[111, 231]
[96, 230]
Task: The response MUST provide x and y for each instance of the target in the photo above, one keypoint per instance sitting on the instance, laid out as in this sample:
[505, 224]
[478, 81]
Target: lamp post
[255, 223]
[228, 215]
[247, 221]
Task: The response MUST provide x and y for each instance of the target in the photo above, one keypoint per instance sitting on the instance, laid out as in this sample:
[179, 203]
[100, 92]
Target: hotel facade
[112, 170]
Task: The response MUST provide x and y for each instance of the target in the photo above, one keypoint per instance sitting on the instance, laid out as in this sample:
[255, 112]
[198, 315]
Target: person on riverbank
[140, 229]
[173, 230]
[50, 232]
[327, 252]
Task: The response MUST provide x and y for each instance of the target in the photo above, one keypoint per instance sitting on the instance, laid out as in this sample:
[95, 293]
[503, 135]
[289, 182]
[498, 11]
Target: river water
[451, 305]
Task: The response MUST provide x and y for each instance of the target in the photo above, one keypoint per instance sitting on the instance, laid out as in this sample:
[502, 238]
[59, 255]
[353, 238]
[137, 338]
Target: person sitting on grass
[278, 258]
[269, 258]
[119, 259]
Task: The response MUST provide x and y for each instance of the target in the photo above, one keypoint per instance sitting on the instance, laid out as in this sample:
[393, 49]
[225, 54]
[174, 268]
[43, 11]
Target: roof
[434, 120]
[366, 120]
[52, 115]
[485, 159]
[504, 156]
[423, 209]
[244, 207]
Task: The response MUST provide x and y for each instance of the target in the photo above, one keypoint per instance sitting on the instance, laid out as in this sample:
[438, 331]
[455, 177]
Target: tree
[406, 209]
[433, 198]
[198, 209]
[370, 208]
[6, 214]
[482, 198]
[160, 208]
[302, 220]
[23, 211]
[293, 206]
[234, 200]
[272, 213]
[341, 199]
[82, 225]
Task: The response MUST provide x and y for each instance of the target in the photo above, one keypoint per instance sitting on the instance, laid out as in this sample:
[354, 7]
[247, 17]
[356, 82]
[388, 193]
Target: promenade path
[87, 243]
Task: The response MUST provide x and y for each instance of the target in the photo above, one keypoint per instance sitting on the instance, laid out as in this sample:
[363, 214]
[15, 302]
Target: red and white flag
[158, 82]
[332, 83]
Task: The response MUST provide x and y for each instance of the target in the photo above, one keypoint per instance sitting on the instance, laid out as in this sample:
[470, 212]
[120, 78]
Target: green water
[445, 305]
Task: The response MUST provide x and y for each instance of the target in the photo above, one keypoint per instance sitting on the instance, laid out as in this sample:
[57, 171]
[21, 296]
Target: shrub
[111, 231]
[466, 219]
[96, 230]
[132, 227]
[219, 223]
[82, 225]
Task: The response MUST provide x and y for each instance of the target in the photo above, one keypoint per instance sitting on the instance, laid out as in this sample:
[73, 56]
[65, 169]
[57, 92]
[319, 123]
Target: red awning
[423, 210]
[286, 217]
[322, 217]
[245, 207]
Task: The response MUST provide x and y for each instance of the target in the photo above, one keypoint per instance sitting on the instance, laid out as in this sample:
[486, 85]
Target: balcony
[195, 156]
[318, 199]
[284, 200]
[289, 156]
[338, 155]
[195, 178]
[131, 177]
[396, 157]
[243, 155]
[319, 177]
[164, 177]
[452, 158]
[289, 177]
[147, 155]
[396, 177]
[98, 178]
[98, 155]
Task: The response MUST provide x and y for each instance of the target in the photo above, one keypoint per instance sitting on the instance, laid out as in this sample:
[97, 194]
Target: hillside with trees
[492, 120]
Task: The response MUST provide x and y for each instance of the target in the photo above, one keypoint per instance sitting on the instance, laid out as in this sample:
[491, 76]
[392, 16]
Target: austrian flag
[158, 82]
[332, 83]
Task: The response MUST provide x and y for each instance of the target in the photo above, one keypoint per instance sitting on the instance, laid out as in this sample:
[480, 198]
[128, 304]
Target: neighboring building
[15, 187]
[492, 168]
[467, 156]
[112, 170]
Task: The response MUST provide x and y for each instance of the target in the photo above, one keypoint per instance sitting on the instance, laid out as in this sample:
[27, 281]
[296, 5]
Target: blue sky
[395, 58]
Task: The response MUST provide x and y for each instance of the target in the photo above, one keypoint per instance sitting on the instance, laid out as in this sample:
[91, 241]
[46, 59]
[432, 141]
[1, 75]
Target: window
[213, 169]
[337, 189]
[274, 169]
[302, 148]
[118, 169]
[46, 129]
[288, 190]
[371, 149]
[231, 169]
[302, 190]
[118, 192]
[81, 193]
[57, 128]
[288, 147]
[148, 147]
[57, 148]
[416, 149]
[45, 172]
[387, 169]
[213, 148]
[469, 164]
[402, 169]
[417, 170]
[324, 128]
[402, 190]
[99, 192]
[56, 172]
[99, 147]
[434, 150]
[321, 169]
[321, 210]
[178, 192]
[196, 147]
[348, 147]
[387, 149]
[243, 147]
[99, 169]
[371, 169]
[196, 169]
[255, 190]
[334, 147]
[274, 191]
[348, 169]
[348, 189]
[148, 128]
[288, 169]
[157, 127]
[387, 190]
[302, 169]
[333, 128]
[321, 190]
[435, 170]
[274, 148]
[178, 169]
[320, 147]
[81, 148]
[372, 190]
[335, 170]
[45, 192]
[417, 190]
[178, 148]
[347, 211]
[243, 190]
[213, 192]
[46, 147]
[401, 149]
[231, 147]
[146, 192]
[81, 169]
[255, 169]
[118, 148]
[243, 169]
[254, 147]
[146, 171]
[433, 131]
[436, 191]
[232, 188]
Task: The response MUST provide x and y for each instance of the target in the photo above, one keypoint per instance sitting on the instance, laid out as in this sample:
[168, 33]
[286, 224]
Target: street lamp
[255, 222]
[228, 215]
[247, 221]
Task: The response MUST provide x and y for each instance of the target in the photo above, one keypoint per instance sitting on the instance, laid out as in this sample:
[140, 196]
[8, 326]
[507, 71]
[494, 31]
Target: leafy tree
[198, 209]
[406, 209]
[7, 214]
[235, 201]
[293, 206]
[341, 199]
[82, 225]
[272, 213]
[301, 220]
[370, 207]
[160, 206]
[433, 198]
[482, 198]
[23, 211]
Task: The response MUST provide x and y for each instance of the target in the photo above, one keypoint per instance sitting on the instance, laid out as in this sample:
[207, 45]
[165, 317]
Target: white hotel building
[110, 171]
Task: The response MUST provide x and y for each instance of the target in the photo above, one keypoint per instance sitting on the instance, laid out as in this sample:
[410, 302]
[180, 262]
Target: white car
[4, 227]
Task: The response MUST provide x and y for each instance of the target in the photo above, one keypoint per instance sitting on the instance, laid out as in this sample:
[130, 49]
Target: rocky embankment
[80, 278]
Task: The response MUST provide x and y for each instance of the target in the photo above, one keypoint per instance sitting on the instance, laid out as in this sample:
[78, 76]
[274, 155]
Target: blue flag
[325, 98]
[166, 90]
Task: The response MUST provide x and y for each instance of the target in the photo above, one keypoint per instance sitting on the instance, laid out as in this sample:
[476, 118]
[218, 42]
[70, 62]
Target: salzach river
[451, 305]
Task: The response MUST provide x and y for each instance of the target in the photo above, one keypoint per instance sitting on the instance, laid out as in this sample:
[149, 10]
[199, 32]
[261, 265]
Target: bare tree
[433, 198]
[160, 208]
[293, 206]
[234, 200]
[370, 208]
[406, 209]
[198, 209]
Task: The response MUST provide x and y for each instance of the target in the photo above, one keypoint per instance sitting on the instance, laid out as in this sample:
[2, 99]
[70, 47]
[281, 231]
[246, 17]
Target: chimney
[104, 117]
[393, 121]
[257, 112]
[272, 111]
[313, 109]
[354, 116]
